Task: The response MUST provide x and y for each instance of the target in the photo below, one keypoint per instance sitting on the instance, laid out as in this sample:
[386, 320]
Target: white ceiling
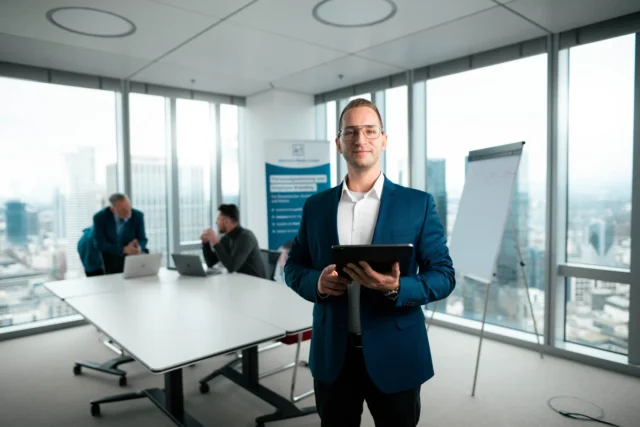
[243, 47]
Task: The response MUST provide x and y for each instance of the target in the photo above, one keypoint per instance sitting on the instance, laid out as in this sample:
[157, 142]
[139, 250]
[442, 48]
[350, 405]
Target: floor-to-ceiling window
[397, 128]
[148, 144]
[229, 152]
[482, 108]
[195, 147]
[598, 222]
[58, 146]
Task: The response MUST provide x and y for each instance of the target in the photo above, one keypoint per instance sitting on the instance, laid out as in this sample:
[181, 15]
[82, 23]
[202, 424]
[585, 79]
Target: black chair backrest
[270, 259]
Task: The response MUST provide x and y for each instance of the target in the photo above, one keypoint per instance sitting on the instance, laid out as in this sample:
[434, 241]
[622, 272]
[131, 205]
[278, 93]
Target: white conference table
[169, 321]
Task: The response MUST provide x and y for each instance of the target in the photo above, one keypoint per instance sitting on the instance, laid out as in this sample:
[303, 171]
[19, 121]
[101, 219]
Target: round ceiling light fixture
[88, 21]
[354, 13]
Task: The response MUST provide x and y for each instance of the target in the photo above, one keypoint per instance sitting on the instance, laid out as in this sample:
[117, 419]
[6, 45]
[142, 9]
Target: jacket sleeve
[100, 237]
[209, 254]
[235, 259]
[436, 277]
[299, 272]
[141, 234]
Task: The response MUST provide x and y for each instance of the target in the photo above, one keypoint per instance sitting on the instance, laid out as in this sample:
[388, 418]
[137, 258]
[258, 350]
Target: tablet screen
[380, 257]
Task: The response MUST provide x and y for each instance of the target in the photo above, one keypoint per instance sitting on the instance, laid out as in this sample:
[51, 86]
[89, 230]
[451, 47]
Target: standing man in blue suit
[118, 231]
[369, 339]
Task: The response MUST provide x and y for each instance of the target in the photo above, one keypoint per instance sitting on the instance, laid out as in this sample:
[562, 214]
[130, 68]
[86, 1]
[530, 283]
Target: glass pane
[149, 167]
[597, 314]
[492, 106]
[397, 127]
[601, 96]
[229, 152]
[58, 146]
[195, 147]
[332, 132]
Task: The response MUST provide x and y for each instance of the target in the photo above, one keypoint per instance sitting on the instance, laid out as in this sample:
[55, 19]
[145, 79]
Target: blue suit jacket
[394, 338]
[105, 232]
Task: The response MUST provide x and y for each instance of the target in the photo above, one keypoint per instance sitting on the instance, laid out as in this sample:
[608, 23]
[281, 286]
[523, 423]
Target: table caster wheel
[95, 409]
[77, 370]
[122, 381]
[204, 388]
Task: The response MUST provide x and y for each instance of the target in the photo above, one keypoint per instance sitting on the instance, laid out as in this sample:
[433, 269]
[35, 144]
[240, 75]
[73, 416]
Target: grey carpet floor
[38, 387]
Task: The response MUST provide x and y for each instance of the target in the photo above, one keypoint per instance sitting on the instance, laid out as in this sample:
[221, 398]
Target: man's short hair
[231, 211]
[360, 102]
[117, 197]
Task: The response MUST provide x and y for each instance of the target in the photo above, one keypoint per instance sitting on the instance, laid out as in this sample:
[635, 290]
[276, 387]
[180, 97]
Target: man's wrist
[320, 294]
[393, 292]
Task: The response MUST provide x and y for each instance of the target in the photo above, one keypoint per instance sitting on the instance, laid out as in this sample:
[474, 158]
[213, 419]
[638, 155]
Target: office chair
[110, 366]
[270, 259]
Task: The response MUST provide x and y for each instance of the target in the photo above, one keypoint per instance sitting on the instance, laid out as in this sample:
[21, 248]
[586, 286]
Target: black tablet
[380, 257]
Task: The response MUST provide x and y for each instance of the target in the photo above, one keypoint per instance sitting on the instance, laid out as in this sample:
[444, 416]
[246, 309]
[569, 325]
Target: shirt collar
[118, 219]
[376, 190]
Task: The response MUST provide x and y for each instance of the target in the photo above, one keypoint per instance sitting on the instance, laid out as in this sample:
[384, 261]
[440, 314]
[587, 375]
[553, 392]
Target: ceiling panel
[237, 50]
[38, 53]
[27, 18]
[294, 18]
[215, 8]
[486, 30]
[561, 15]
[325, 77]
[168, 74]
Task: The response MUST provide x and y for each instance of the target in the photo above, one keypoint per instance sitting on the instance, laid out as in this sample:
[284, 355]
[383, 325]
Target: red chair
[289, 340]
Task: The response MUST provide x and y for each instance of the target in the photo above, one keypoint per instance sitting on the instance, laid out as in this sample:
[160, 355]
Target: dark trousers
[99, 272]
[340, 404]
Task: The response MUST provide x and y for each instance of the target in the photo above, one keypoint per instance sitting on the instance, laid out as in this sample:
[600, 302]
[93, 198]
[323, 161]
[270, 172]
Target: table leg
[170, 400]
[249, 380]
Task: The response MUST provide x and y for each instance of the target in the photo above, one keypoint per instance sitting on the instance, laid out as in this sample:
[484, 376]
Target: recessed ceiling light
[354, 13]
[92, 22]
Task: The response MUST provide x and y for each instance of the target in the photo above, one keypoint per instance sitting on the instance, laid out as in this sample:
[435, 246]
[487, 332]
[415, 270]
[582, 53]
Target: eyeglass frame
[359, 128]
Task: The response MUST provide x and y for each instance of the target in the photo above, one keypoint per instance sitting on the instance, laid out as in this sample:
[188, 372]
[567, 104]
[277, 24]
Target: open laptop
[191, 265]
[141, 265]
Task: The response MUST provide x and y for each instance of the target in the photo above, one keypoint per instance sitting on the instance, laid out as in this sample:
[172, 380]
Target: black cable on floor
[578, 416]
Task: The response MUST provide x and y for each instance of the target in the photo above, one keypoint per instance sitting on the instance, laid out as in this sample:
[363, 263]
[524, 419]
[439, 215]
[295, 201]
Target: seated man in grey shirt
[237, 250]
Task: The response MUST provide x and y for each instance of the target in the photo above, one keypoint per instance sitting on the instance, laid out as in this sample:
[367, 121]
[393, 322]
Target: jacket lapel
[384, 212]
[333, 216]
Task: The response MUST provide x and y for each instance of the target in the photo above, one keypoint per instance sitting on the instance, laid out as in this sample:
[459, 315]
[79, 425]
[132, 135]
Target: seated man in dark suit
[118, 231]
[238, 250]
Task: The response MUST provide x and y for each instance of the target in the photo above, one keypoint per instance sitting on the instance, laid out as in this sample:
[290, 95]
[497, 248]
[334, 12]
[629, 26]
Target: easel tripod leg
[484, 318]
[526, 283]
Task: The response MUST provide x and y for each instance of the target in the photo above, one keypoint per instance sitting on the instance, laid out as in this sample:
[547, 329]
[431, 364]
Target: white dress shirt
[357, 217]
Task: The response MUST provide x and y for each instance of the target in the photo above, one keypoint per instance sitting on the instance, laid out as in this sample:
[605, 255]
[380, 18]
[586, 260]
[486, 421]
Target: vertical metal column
[556, 216]
[634, 302]
[123, 139]
[173, 191]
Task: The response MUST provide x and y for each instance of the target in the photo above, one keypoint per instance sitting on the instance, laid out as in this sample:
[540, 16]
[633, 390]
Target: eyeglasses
[350, 133]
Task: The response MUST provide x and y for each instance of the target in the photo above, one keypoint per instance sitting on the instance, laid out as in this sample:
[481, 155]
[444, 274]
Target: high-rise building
[535, 268]
[149, 195]
[17, 223]
[83, 201]
[59, 215]
[599, 235]
[33, 222]
[437, 186]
